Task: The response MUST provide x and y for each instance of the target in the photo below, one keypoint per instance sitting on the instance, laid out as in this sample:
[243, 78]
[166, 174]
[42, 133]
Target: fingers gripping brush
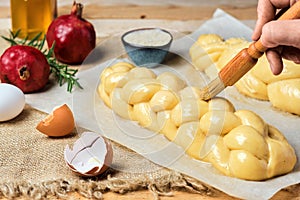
[245, 60]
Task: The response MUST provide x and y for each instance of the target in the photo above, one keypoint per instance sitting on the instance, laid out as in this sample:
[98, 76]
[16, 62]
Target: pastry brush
[245, 60]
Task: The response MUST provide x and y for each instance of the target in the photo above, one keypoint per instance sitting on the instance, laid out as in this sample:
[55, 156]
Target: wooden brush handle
[247, 58]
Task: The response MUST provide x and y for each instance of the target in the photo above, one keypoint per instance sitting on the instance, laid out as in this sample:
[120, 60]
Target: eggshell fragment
[59, 123]
[91, 155]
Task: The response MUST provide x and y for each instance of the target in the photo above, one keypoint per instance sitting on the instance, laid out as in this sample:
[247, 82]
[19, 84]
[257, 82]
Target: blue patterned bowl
[147, 47]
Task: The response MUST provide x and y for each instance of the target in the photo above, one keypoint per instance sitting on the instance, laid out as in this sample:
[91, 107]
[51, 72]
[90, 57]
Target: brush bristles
[212, 89]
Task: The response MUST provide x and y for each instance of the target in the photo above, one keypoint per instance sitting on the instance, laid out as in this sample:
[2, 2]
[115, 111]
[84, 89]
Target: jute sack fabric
[32, 166]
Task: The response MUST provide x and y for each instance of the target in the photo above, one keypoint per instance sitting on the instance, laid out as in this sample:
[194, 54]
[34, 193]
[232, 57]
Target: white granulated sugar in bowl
[148, 37]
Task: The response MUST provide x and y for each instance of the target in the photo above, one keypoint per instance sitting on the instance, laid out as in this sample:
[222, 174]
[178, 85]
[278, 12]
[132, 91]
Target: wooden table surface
[187, 14]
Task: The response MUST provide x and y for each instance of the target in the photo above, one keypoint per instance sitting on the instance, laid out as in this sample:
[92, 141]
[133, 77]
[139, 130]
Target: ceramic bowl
[147, 47]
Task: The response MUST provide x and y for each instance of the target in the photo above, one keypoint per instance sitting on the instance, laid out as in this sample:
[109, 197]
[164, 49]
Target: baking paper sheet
[91, 113]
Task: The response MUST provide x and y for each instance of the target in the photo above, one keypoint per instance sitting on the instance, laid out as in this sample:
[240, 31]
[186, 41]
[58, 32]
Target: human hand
[282, 38]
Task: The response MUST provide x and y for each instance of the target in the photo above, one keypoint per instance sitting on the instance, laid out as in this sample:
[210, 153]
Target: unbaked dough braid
[283, 91]
[237, 143]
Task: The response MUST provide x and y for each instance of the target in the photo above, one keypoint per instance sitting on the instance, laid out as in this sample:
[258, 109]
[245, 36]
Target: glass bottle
[32, 16]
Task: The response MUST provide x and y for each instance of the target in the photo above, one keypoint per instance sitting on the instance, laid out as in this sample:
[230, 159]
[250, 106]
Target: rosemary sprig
[62, 72]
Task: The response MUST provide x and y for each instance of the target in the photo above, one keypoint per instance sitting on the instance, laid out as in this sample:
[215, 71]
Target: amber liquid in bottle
[32, 16]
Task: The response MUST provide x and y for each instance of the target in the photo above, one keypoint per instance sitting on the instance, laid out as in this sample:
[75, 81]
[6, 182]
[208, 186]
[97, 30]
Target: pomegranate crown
[77, 9]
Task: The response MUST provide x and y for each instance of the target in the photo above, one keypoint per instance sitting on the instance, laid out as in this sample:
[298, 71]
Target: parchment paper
[91, 113]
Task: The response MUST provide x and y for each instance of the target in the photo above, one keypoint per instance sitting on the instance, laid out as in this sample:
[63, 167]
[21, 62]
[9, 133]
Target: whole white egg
[12, 101]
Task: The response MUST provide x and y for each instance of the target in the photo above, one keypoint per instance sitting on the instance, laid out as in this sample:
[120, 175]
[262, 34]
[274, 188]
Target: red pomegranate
[25, 67]
[74, 36]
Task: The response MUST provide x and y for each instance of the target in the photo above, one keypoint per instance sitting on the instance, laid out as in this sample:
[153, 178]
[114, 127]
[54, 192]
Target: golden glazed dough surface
[212, 51]
[237, 143]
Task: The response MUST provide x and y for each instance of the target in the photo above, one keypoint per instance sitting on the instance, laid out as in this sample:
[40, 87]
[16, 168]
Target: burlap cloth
[32, 166]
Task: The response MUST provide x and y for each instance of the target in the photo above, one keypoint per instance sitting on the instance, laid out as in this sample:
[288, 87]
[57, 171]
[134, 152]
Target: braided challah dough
[237, 143]
[283, 91]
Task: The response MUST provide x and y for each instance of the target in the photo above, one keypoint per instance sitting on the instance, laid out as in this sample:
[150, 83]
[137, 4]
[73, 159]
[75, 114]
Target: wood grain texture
[291, 194]
[169, 12]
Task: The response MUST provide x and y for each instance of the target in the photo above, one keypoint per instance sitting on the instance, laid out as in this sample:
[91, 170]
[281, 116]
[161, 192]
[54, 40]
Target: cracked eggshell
[91, 155]
[59, 123]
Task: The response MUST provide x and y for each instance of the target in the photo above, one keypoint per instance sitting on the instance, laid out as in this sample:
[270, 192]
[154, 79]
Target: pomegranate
[74, 36]
[25, 67]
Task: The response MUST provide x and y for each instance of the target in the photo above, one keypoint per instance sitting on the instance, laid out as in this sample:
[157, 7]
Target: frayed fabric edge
[94, 189]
